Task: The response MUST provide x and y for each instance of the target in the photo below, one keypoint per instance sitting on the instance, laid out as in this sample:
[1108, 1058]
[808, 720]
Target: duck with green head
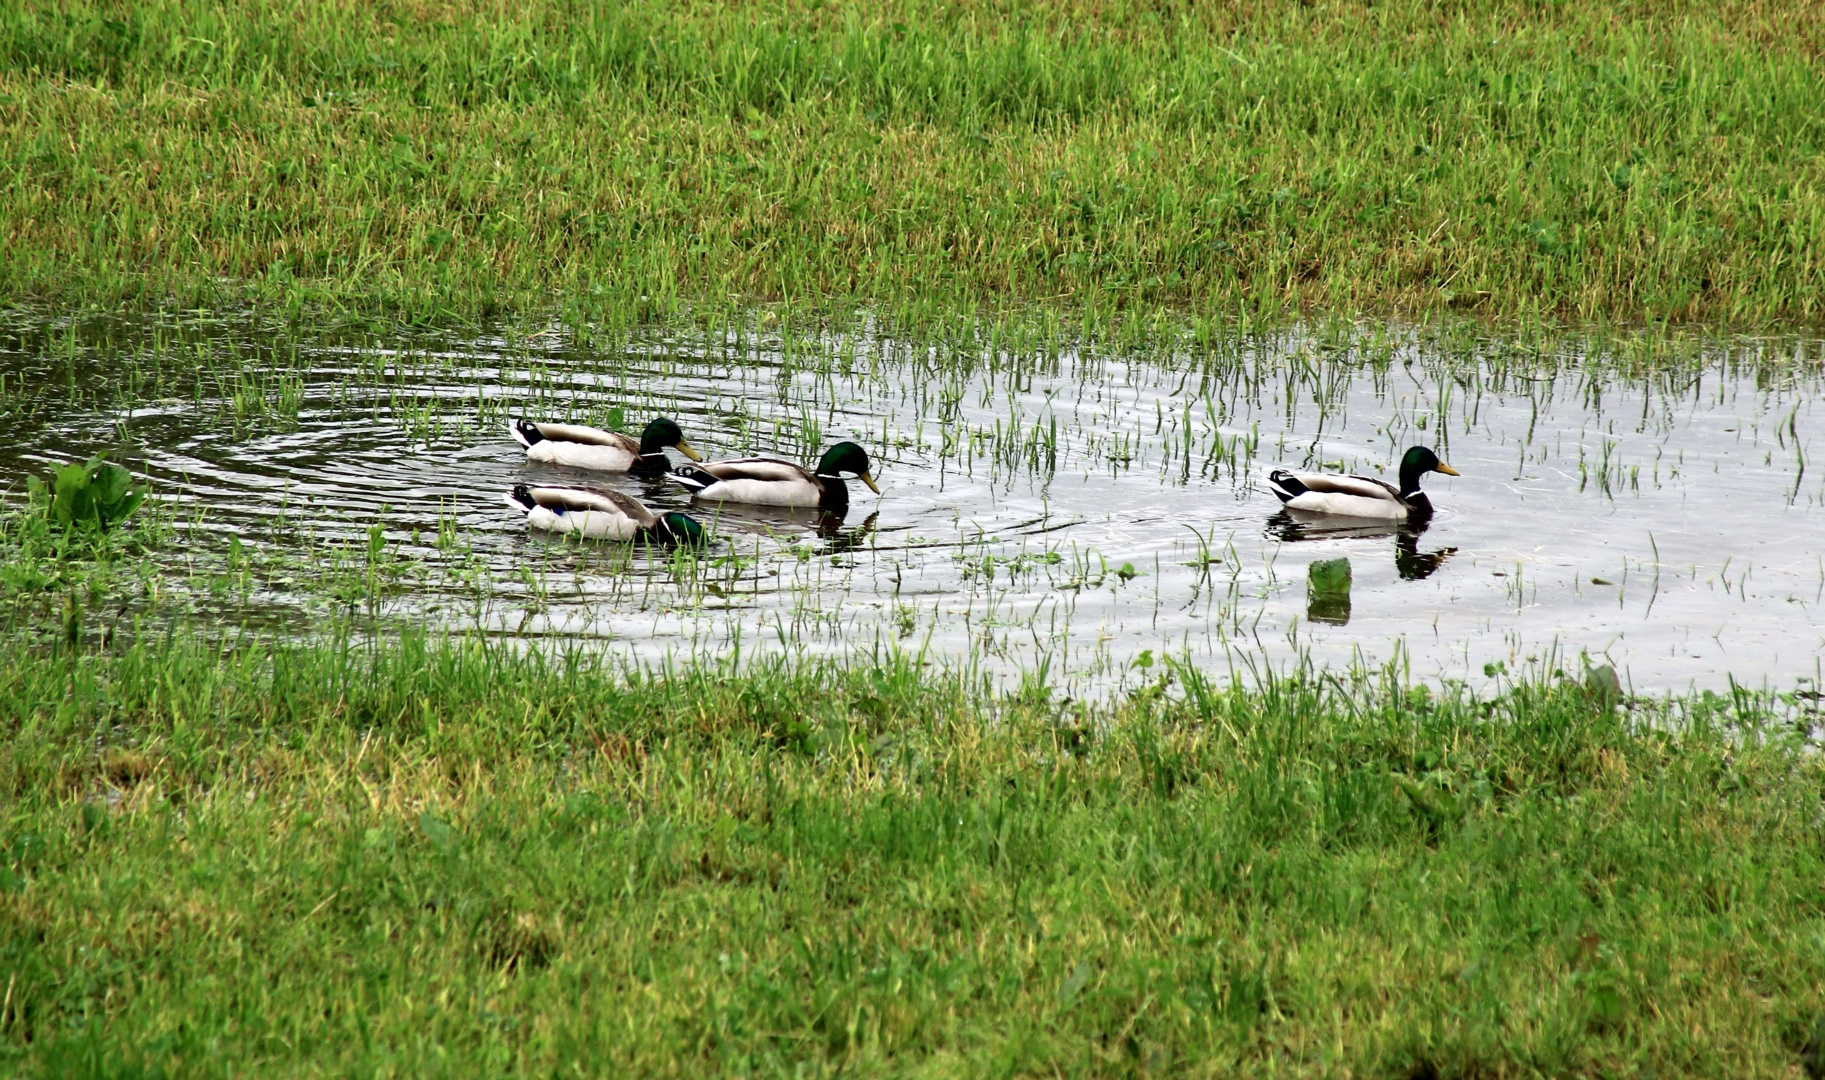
[772, 482]
[602, 515]
[1362, 496]
[585, 447]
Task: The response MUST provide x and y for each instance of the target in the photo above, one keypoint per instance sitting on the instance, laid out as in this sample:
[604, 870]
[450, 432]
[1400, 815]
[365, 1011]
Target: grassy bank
[470, 158]
[297, 862]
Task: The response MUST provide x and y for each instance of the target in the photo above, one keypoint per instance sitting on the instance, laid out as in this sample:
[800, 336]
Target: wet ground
[1080, 513]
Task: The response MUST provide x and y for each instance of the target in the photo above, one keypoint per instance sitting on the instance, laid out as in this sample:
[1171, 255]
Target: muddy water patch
[1084, 513]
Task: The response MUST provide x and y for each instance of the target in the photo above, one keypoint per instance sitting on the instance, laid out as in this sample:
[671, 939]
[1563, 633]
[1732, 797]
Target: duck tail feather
[691, 477]
[520, 498]
[525, 432]
[1285, 485]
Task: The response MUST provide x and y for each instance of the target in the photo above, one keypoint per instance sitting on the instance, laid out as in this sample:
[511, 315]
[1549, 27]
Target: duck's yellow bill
[1448, 470]
[869, 480]
[685, 449]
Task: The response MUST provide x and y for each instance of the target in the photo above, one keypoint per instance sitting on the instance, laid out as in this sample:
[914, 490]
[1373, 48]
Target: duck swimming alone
[1362, 496]
[601, 515]
[605, 451]
[771, 482]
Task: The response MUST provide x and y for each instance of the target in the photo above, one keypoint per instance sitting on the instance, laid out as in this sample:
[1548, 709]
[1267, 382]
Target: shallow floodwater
[1080, 514]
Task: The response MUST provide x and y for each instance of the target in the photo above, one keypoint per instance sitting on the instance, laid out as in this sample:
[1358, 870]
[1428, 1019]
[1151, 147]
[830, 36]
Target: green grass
[450, 160]
[397, 855]
[440, 857]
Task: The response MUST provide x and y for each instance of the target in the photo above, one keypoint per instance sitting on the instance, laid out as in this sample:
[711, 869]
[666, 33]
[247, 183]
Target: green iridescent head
[683, 529]
[1419, 461]
[665, 432]
[847, 457]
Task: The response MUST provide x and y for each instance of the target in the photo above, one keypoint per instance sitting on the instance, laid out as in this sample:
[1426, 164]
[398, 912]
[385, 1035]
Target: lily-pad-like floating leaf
[1327, 591]
[93, 495]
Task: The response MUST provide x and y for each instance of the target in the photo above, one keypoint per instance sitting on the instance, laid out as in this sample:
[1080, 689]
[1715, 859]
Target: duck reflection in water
[830, 527]
[1409, 561]
[780, 521]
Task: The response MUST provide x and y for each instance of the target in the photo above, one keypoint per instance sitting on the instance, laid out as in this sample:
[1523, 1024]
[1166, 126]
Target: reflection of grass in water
[870, 867]
[175, 562]
[441, 390]
[1002, 400]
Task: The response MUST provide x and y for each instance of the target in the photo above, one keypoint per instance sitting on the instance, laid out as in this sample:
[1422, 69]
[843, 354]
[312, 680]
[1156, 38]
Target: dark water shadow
[839, 539]
[1296, 526]
[1414, 564]
[780, 520]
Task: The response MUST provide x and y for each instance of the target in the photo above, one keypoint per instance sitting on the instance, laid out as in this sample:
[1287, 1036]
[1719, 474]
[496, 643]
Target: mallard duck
[601, 515]
[771, 482]
[1362, 496]
[605, 451]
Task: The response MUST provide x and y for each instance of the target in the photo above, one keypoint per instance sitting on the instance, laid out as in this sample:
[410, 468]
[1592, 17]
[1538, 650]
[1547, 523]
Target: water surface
[1076, 512]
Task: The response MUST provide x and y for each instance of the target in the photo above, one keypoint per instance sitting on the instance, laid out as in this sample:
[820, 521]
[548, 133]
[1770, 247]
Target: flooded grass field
[1068, 752]
[1077, 516]
[962, 774]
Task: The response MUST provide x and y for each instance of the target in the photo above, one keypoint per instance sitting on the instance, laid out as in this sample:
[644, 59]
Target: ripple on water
[1087, 511]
